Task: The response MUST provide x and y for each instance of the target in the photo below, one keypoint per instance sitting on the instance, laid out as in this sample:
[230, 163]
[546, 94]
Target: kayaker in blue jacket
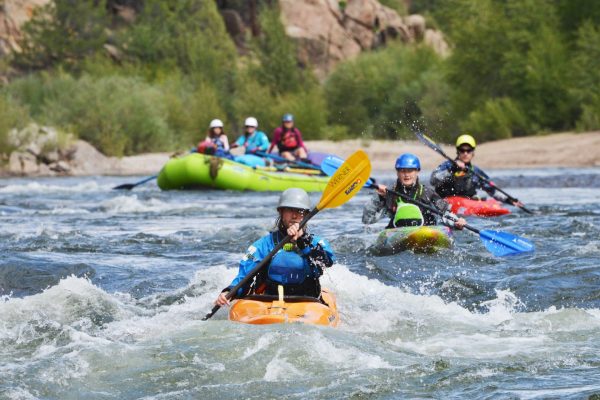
[401, 212]
[253, 139]
[298, 266]
[459, 178]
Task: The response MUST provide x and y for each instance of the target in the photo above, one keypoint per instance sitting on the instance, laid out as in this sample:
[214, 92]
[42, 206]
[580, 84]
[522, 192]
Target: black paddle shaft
[265, 261]
[429, 207]
[441, 152]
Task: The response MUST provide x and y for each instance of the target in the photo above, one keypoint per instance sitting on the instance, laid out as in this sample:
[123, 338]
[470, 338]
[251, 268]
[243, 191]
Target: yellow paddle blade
[347, 181]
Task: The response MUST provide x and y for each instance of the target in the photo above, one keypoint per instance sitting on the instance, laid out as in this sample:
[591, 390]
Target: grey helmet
[294, 198]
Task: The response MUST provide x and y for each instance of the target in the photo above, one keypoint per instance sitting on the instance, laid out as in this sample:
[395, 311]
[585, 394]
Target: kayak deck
[419, 239]
[481, 208]
[261, 310]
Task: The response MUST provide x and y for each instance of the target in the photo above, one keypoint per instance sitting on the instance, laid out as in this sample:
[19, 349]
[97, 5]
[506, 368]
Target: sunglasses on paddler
[465, 150]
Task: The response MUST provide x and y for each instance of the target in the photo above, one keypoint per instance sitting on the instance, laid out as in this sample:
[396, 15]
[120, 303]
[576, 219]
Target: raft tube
[200, 171]
[261, 310]
[481, 208]
[419, 239]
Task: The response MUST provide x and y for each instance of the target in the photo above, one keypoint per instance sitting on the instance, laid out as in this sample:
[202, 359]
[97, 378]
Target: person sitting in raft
[401, 212]
[288, 140]
[297, 266]
[216, 140]
[459, 178]
[252, 140]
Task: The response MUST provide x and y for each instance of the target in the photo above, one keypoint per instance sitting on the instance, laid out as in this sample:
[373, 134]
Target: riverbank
[555, 150]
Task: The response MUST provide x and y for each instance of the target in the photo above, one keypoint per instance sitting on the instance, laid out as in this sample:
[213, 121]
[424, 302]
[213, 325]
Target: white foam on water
[592, 247]
[427, 325]
[132, 204]
[78, 327]
[279, 369]
[36, 187]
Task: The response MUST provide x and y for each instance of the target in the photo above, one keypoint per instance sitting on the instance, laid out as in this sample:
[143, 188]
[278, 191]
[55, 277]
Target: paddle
[498, 243]
[285, 160]
[342, 186]
[432, 145]
[129, 186]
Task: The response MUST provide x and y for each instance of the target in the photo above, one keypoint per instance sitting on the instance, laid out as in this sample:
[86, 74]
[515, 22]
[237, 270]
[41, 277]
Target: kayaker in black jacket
[460, 178]
[403, 213]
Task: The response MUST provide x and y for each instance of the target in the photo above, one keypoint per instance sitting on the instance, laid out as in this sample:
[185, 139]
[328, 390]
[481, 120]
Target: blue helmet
[287, 117]
[408, 161]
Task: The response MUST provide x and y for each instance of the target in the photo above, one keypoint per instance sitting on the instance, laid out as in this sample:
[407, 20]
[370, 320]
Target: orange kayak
[261, 309]
[480, 208]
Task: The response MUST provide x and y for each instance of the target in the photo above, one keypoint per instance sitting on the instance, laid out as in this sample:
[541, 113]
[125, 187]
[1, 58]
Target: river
[102, 294]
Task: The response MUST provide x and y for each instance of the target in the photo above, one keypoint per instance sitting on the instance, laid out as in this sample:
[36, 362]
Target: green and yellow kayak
[420, 239]
[200, 171]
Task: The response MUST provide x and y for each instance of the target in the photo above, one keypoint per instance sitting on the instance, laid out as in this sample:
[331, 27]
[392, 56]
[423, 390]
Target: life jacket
[206, 147]
[408, 214]
[463, 183]
[288, 267]
[289, 139]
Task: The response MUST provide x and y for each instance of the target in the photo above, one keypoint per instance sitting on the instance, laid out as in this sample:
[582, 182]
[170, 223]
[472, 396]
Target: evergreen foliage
[517, 67]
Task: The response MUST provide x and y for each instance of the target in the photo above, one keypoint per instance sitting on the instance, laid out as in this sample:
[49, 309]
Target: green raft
[420, 239]
[200, 171]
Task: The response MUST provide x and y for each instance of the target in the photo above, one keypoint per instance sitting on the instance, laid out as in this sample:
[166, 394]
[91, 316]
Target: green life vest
[408, 214]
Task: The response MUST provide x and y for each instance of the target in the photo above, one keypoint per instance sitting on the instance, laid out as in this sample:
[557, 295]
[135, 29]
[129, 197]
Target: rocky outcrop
[13, 14]
[328, 33]
[44, 151]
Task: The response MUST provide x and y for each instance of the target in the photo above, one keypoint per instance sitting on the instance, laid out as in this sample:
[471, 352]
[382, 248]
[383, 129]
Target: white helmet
[294, 198]
[215, 123]
[251, 121]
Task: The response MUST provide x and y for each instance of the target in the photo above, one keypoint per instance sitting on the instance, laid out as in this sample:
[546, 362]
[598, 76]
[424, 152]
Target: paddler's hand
[517, 203]
[295, 232]
[222, 299]
[460, 165]
[381, 190]
[460, 223]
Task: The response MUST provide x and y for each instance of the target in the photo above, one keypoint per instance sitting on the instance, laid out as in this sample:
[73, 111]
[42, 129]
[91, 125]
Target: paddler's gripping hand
[381, 190]
[517, 203]
[222, 299]
[451, 220]
[295, 232]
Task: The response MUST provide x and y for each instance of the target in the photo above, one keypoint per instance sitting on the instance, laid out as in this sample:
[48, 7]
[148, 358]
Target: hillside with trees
[134, 76]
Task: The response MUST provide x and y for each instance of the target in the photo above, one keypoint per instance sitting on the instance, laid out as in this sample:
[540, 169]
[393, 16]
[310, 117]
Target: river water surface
[102, 294]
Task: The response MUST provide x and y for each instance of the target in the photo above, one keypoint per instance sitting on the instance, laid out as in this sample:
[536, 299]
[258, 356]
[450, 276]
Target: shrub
[496, 119]
[382, 93]
[12, 116]
[62, 32]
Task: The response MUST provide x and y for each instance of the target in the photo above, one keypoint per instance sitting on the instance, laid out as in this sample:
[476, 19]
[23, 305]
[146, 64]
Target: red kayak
[481, 208]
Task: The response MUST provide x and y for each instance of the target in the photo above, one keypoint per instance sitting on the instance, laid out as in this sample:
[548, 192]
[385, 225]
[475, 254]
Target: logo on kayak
[353, 186]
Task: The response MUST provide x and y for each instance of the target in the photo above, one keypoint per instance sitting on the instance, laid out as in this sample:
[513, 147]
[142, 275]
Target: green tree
[384, 93]
[186, 34]
[62, 33]
[512, 54]
[277, 64]
[586, 76]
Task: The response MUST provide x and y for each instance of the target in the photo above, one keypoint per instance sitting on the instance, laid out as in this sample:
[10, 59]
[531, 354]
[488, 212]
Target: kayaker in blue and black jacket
[459, 177]
[403, 213]
[298, 266]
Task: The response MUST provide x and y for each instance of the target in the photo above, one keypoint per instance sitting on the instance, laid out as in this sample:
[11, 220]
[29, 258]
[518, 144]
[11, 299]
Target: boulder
[416, 25]
[435, 40]
[13, 14]
[86, 160]
[22, 163]
[327, 34]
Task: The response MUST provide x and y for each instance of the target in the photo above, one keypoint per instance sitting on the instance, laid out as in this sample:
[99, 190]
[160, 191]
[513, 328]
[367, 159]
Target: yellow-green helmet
[466, 139]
